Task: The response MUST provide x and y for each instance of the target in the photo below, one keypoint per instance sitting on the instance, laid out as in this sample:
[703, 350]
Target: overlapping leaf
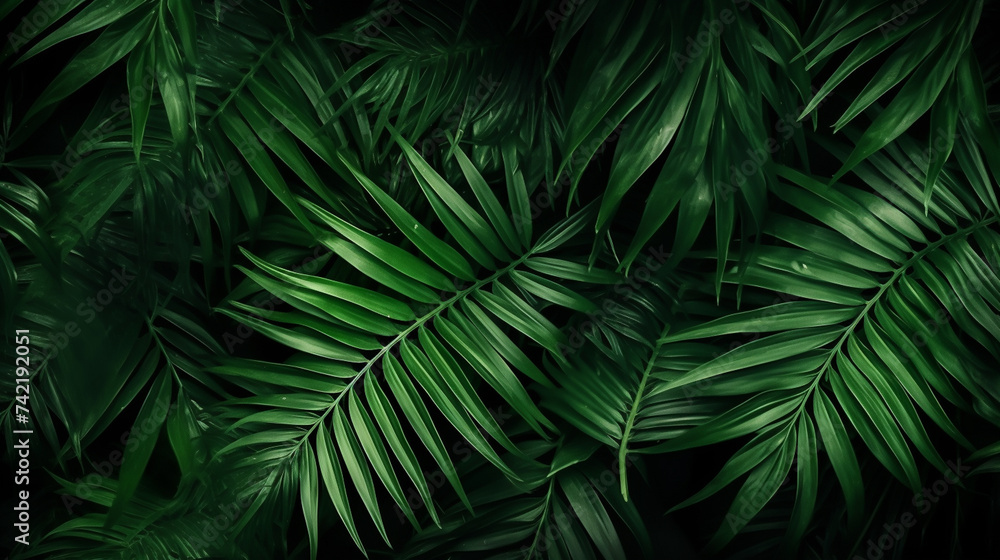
[414, 335]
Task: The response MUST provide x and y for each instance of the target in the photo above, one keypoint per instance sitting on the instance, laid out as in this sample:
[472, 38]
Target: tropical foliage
[577, 279]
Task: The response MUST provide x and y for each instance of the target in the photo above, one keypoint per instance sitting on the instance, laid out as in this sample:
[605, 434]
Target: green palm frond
[493, 280]
[121, 30]
[682, 91]
[849, 287]
[439, 76]
[459, 328]
[24, 244]
[151, 527]
[932, 41]
[567, 510]
[862, 278]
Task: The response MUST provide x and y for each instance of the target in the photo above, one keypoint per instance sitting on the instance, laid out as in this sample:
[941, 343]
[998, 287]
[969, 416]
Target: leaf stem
[875, 299]
[630, 422]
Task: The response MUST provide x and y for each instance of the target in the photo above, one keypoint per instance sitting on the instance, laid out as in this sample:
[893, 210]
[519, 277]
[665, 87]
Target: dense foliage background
[576, 279]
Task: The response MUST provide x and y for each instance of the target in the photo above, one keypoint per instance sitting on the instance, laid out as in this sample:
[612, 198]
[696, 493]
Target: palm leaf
[463, 330]
[885, 380]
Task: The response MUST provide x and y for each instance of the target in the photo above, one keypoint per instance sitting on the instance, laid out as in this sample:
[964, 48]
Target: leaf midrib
[890, 282]
[447, 304]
